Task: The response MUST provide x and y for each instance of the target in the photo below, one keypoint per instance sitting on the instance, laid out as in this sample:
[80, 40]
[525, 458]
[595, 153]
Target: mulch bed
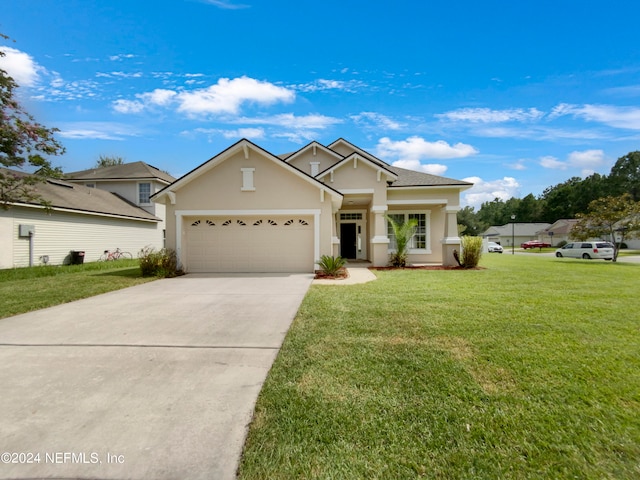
[341, 275]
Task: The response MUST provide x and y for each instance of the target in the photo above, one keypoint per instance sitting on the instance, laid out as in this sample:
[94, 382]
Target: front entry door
[348, 240]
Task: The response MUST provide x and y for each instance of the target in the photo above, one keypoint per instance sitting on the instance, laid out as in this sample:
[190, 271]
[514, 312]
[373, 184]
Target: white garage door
[250, 244]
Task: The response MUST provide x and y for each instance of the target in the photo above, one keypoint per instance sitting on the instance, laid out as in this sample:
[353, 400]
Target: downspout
[31, 233]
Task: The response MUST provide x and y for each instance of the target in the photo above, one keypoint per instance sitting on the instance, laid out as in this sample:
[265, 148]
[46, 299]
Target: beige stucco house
[248, 210]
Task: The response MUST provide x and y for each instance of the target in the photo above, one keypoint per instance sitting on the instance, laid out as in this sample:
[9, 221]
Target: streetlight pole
[513, 232]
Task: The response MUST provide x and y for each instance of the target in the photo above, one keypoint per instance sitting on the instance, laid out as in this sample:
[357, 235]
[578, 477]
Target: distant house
[514, 233]
[136, 182]
[559, 231]
[81, 218]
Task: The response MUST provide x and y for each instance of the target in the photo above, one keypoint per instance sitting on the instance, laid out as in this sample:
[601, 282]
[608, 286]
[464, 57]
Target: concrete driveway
[157, 381]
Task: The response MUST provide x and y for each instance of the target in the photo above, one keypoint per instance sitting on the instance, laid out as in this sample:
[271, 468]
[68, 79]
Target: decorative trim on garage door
[292, 213]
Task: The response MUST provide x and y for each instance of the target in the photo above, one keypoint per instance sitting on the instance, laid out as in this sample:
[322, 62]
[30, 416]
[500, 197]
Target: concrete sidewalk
[157, 381]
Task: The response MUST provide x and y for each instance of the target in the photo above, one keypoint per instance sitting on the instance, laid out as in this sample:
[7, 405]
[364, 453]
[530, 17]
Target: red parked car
[534, 244]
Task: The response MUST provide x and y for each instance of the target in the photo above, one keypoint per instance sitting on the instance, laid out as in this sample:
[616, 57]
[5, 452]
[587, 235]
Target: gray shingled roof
[72, 196]
[410, 178]
[126, 171]
[519, 229]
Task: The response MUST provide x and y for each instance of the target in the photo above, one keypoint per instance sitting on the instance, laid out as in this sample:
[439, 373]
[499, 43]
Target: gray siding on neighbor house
[60, 232]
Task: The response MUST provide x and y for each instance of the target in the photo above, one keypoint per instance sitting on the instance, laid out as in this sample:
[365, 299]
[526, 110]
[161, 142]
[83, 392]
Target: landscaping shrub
[162, 263]
[471, 251]
[330, 266]
[403, 233]
[561, 244]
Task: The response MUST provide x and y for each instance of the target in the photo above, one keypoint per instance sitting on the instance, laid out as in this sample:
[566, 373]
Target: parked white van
[586, 250]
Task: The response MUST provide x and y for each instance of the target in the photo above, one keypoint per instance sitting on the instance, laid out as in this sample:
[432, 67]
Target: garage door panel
[250, 244]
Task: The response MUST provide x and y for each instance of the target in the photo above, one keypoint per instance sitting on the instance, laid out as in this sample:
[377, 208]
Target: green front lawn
[26, 289]
[528, 369]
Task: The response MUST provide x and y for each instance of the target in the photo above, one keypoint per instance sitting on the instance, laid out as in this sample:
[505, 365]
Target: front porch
[361, 233]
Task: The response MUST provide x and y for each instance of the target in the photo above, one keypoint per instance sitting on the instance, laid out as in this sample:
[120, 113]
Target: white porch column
[380, 240]
[451, 239]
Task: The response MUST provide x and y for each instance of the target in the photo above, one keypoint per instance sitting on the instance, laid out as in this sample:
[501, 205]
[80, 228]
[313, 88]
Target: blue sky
[513, 96]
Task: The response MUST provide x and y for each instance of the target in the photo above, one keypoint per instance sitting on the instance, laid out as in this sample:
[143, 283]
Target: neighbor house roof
[518, 229]
[562, 226]
[126, 171]
[73, 197]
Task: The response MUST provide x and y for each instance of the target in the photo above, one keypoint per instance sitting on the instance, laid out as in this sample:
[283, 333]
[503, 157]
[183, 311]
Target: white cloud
[226, 5]
[487, 115]
[225, 97]
[20, 66]
[324, 84]
[488, 190]
[612, 115]
[228, 95]
[127, 106]
[211, 133]
[289, 120]
[244, 133]
[159, 96]
[96, 131]
[586, 160]
[118, 58]
[518, 165]
[552, 163]
[376, 120]
[416, 148]
[416, 166]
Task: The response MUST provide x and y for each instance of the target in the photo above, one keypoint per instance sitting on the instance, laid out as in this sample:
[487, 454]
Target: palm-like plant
[403, 232]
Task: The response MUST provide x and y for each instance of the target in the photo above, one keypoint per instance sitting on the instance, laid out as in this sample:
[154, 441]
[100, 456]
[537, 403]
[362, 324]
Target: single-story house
[80, 219]
[514, 233]
[248, 210]
[559, 231]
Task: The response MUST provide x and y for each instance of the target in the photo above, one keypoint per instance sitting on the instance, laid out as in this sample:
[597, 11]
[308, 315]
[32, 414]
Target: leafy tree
[560, 200]
[528, 209]
[493, 213]
[108, 161]
[609, 217]
[403, 232]
[468, 223]
[24, 146]
[625, 176]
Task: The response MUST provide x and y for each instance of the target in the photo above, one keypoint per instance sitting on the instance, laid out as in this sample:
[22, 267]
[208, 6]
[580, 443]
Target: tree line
[568, 199]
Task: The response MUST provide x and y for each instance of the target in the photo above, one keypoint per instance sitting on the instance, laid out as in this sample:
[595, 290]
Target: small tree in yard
[609, 217]
[24, 145]
[403, 231]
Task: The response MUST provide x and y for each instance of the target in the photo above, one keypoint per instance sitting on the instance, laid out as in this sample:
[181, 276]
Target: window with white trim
[419, 239]
[144, 192]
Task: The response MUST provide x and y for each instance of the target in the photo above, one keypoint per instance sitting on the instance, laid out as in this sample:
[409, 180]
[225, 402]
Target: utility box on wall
[26, 230]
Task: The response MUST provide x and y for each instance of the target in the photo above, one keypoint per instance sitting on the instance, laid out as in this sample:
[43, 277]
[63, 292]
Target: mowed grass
[26, 289]
[528, 369]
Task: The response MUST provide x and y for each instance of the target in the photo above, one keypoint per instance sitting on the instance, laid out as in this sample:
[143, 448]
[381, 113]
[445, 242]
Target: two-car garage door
[250, 243]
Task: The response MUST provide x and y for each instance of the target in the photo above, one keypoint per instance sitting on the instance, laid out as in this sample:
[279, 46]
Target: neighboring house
[80, 219]
[135, 182]
[514, 233]
[559, 231]
[247, 210]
